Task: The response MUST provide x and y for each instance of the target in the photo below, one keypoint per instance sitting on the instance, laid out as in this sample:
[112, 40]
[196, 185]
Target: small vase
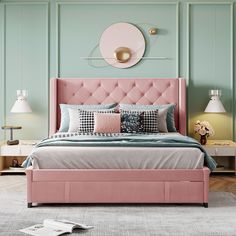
[203, 139]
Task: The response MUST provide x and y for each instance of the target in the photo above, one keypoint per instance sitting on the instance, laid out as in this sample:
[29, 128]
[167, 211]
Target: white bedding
[117, 158]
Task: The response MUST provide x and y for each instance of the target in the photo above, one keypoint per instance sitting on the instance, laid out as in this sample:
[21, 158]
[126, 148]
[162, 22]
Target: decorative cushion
[86, 119]
[74, 120]
[131, 122]
[150, 119]
[161, 120]
[106, 123]
[170, 114]
[65, 119]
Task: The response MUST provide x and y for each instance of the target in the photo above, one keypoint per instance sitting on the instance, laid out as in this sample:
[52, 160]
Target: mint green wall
[43, 39]
[79, 35]
[210, 57]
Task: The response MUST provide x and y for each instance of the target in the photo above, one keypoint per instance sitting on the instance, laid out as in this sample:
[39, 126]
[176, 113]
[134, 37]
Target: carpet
[119, 220]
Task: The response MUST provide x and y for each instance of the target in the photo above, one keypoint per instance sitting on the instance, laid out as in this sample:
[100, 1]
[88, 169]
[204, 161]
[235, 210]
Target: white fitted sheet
[117, 158]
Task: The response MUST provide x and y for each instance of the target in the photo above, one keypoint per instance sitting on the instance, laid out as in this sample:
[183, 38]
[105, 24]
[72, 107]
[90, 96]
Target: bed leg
[205, 204]
[29, 204]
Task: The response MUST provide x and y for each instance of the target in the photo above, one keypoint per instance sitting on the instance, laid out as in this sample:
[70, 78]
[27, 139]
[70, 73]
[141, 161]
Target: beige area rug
[119, 220]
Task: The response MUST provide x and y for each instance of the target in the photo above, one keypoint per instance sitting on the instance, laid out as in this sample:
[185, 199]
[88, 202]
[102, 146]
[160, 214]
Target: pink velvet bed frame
[114, 185]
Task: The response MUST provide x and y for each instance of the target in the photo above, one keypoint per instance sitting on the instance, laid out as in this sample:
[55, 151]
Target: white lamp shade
[215, 105]
[21, 106]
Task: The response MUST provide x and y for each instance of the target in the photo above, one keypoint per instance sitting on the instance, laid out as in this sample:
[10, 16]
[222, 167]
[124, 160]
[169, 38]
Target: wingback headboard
[118, 90]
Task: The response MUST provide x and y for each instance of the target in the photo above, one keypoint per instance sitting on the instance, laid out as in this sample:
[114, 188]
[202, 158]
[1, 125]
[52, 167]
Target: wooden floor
[223, 183]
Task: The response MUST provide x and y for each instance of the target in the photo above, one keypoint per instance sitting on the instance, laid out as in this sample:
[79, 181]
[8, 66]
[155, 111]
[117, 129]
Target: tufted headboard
[114, 90]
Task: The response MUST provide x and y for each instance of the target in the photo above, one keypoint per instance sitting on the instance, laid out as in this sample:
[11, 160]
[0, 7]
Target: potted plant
[204, 129]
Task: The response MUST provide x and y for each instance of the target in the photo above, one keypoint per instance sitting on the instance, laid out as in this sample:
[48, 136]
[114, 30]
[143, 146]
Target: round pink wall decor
[122, 45]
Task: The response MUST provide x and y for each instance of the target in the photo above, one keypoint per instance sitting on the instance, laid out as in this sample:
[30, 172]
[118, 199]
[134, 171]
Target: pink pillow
[106, 123]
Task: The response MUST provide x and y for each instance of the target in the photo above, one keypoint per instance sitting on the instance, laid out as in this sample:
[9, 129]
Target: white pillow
[74, 123]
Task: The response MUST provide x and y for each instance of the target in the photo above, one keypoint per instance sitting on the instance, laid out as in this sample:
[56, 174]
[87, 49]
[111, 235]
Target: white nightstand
[224, 152]
[18, 152]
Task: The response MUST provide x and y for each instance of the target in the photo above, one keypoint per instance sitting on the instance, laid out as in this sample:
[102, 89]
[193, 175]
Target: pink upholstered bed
[117, 185]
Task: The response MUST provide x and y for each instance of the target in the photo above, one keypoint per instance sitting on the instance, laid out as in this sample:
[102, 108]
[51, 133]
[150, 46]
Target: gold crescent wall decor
[122, 54]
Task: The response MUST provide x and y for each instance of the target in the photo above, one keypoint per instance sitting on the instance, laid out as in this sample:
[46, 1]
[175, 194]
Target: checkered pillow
[86, 119]
[150, 119]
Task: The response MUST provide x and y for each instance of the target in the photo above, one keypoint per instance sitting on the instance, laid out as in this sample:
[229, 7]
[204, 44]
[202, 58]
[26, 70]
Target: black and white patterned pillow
[131, 123]
[86, 119]
[150, 119]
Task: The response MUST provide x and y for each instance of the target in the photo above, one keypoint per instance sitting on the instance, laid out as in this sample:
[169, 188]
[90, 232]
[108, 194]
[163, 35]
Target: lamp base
[11, 128]
[12, 142]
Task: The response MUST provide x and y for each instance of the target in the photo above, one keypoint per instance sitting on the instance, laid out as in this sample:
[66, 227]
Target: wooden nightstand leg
[235, 165]
[1, 163]
[29, 204]
[205, 204]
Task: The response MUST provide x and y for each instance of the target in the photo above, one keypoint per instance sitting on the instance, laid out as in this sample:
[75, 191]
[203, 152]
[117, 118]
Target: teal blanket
[128, 140]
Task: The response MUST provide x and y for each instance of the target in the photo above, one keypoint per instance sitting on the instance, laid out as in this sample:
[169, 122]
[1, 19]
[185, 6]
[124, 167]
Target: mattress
[117, 158]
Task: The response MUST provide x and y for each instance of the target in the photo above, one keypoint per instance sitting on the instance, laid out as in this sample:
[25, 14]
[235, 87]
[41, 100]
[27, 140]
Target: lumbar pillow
[106, 123]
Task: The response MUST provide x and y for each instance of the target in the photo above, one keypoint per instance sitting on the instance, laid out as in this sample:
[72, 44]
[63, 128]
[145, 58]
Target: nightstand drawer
[26, 150]
[221, 151]
[10, 150]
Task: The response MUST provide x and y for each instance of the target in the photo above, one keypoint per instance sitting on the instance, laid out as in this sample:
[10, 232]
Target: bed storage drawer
[184, 191]
[48, 192]
[118, 192]
[102, 192]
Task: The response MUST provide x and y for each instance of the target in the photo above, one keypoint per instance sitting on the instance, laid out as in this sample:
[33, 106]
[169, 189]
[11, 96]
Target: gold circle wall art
[122, 45]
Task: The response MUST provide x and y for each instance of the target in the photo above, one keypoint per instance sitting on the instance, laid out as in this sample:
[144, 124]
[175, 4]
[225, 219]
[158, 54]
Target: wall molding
[188, 29]
[232, 69]
[177, 45]
[59, 4]
[47, 53]
[3, 69]
[232, 84]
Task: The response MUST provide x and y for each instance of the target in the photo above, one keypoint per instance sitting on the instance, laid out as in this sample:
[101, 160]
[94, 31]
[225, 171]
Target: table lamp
[20, 106]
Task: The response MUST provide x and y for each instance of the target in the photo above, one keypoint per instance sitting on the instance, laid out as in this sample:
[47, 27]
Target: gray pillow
[161, 120]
